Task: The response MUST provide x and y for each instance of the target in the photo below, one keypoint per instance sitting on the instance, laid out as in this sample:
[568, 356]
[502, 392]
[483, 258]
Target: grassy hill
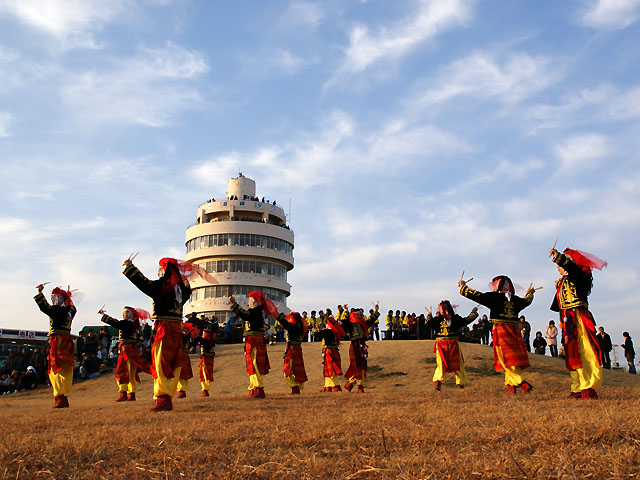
[401, 428]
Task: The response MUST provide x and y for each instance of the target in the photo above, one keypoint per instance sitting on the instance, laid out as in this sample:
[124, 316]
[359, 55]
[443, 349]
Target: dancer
[293, 368]
[190, 331]
[207, 342]
[358, 330]
[60, 357]
[129, 359]
[449, 357]
[254, 344]
[581, 349]
[331, 362]
[509, 350]
[169, 293]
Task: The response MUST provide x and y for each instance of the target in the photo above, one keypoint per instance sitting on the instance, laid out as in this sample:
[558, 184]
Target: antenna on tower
[289, 222]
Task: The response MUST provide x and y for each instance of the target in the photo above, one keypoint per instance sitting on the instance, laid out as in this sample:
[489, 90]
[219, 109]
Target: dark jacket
[605, 342]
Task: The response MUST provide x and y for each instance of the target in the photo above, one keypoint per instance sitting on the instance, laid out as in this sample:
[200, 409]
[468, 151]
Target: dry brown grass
[400, 428]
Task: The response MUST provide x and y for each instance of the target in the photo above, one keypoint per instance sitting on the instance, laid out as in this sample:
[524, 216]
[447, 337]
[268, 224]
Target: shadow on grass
[376, 371]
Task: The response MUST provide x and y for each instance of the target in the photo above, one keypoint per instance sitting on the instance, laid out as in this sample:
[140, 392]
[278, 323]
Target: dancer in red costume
[581, 349]
[60, 369]
[293, 368]
[129, 359]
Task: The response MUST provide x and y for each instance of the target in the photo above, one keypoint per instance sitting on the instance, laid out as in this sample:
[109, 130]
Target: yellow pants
[182, 384]
[438, 375]
[163, 385]
[357, 381]
[590, 374]
[206, 384]
[255, 380]
[512, 375]
[61, 381]
[332, 381]
[131, 386]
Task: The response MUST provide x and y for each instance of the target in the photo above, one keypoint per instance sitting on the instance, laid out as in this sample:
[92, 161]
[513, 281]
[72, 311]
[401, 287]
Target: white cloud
[604, 103]
[147, 89]
[582, 151]
[6, 119]
[73, 22]
[483, 76]
[305, 14]
[610, 14]
[430, 18]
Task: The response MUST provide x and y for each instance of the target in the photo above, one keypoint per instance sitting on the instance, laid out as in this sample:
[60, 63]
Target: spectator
[79, 346]
[525, 331]
[91, 343]
[29, 380]
[552, 338]
[604, 340]
[629, 352]
[5, 383]
[89, 367]
[539, 344]
[11, 363]
[486, 325]
[113, 357]
[14, 383]
[39, 363]
[105, 338]
[25, 360]
[146, 335]
[101, 355]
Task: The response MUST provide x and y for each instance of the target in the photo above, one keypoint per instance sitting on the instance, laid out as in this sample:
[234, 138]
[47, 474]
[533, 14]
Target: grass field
[401, 428]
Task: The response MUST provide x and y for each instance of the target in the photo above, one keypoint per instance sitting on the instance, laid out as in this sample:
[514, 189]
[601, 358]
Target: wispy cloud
[72, 22]
[483, 75]
[582, 151]
[430, 18]
[603, 103]
[303, 14]
[6, 119]
[147, 89]
[610, 14]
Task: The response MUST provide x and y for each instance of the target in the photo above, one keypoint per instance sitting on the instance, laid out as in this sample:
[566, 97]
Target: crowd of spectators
[23, 370]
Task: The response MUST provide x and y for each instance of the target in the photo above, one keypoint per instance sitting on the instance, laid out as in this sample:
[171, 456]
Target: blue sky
[413, 139]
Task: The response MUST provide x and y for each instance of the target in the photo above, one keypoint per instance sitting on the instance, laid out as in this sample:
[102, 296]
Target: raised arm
[237, 309]
[470, 293]
[136, 277]
[471, 317]
[42, 303]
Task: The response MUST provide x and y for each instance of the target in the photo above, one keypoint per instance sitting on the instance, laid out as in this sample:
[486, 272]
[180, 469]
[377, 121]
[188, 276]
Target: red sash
[572, 358]
[449, 352]
[514, 352]
[206, 364]
[331, 362]
[60, 352]
[294, 352]
[357, 360]
[169, 337]
[262, 359]
[129, 351]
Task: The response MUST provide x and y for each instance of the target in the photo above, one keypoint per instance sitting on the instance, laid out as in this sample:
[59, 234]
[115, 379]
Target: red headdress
[336, 328]
[355, 318]
[267, 305]
[294, 318]
[65, 294]
[174, 269]
[139, 314]
[586, 261]
[502, 283]
[446, 309]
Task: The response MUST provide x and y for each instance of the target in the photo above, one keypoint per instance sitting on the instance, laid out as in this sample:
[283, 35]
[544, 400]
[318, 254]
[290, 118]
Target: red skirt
[169, 335]
[294, 352]
[262, 359]
[514, 352]
[572, 358]
[60, 352]
[206, 361]
[449, 352]
[130, 351]
[357, 360]
[331, 362]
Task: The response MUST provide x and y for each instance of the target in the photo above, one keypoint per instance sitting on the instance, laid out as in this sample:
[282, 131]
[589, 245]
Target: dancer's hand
[232, 299]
